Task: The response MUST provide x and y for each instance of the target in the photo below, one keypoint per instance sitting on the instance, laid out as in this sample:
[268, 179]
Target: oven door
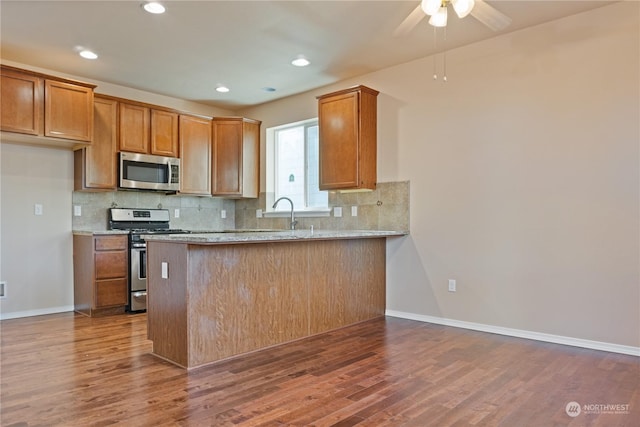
[138, 276]
[138, 279]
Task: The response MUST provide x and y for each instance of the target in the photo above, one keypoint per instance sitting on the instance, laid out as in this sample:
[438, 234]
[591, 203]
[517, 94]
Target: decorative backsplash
[196, 213]
[385, 208]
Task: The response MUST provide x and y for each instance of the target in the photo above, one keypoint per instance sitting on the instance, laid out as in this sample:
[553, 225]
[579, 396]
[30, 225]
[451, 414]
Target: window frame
[271, 168]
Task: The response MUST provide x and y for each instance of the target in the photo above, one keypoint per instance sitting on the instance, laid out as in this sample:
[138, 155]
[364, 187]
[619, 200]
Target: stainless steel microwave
[149, 172]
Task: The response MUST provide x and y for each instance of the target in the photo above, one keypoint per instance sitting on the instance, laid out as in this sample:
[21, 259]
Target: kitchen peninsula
[216, 295]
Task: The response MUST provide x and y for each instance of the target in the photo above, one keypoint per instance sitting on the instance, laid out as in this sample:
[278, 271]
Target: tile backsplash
[385, 208]
[196, 213]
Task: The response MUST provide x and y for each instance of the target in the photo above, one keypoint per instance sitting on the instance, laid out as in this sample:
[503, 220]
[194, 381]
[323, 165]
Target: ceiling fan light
[430, 7]
[463, 7]
[439, 19]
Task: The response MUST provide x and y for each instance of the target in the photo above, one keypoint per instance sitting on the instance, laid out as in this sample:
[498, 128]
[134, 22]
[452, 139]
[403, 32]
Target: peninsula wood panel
[167, 321]
[222, 300]
[354, 289]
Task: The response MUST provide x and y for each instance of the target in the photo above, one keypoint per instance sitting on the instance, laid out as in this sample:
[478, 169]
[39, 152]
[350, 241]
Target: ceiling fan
[437, 11]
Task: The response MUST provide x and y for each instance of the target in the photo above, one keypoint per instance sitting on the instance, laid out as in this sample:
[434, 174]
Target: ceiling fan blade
[490, 16]
[409, 22]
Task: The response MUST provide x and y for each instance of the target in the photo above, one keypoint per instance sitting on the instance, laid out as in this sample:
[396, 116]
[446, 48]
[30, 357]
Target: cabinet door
[195, 155]
[96, 165]
[227, 158]
[164, 133]
[111, 293]
[134, 128]
[338, 132]
[110, 265]
[68, 111]
[21, 97]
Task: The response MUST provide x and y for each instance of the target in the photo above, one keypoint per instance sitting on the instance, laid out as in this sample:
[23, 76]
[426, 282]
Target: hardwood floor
[71, 370]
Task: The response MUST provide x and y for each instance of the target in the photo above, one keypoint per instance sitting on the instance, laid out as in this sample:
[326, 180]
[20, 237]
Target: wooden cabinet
[195, 155]
[45, 106]
[22, 102]
[164, 133]
[100, 270]
[347, 122]
[96, 165]
[236, 157]
[148, 131]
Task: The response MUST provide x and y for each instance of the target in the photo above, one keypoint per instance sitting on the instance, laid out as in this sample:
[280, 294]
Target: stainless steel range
[139, 222]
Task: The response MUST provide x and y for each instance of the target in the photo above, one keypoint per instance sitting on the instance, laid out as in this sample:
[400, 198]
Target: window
[293, 171]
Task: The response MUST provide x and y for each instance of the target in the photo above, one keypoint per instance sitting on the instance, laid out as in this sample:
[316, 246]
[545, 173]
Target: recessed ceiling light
[300, 61]
[87, 54]
[154, 7]
[222, 89]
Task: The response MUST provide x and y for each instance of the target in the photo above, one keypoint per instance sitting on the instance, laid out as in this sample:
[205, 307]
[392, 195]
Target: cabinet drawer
[111, 265]
[111, 292]
[111, 243]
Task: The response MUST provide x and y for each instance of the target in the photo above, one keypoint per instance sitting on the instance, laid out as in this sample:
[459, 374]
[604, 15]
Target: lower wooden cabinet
[100, 271]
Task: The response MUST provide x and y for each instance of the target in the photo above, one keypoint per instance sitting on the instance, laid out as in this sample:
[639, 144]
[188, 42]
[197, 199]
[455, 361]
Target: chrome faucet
[293, 220]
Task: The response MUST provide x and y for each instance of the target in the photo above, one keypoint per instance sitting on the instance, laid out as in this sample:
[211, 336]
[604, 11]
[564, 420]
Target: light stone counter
[254, 236]
[99, 232]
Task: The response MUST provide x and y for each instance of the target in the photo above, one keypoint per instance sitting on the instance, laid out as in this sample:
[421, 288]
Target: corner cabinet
[100, 269]
[195, 155]
[347, 122]
[96, 165]
[53, 111]
[235, 157]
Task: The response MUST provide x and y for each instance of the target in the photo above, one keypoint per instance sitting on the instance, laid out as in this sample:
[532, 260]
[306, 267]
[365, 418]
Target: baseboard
[537, 336]
[40, 312]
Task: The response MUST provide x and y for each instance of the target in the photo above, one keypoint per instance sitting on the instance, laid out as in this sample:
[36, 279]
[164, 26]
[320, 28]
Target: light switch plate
[77, 210]
[165, 270]
[337, 211]
[38, 209]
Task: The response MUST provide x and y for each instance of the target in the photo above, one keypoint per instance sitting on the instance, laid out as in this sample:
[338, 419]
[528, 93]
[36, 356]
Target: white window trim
[270, 160]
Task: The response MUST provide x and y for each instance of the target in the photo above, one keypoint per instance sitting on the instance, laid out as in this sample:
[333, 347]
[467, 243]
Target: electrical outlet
[452, 285]
[258, 213]
[337, 211]
[3, 289]
[223, 214]
[354, 211]
[77, 210]
[38, 209]
[176, 213]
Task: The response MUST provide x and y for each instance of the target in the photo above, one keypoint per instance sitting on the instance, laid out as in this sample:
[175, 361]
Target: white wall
[524, 172]
[36, 250]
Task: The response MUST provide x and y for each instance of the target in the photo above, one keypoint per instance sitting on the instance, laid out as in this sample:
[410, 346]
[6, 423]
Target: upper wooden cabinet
[45, 106]
[347, 122]
[195, 155]
[164, 133]
[148, 131]
[96, 165]
[236, 157]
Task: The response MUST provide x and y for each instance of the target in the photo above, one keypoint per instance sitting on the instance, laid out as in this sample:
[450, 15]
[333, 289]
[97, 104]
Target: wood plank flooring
[70, 370]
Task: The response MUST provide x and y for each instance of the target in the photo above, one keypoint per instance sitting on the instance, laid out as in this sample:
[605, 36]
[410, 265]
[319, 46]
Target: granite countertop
[98, 232]
[256, 236]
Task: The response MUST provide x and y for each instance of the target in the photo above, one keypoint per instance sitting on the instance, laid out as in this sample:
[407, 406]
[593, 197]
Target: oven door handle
[140, 294]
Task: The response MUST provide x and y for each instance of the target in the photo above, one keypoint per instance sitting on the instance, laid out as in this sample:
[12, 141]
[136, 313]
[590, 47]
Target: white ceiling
[245, 45]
